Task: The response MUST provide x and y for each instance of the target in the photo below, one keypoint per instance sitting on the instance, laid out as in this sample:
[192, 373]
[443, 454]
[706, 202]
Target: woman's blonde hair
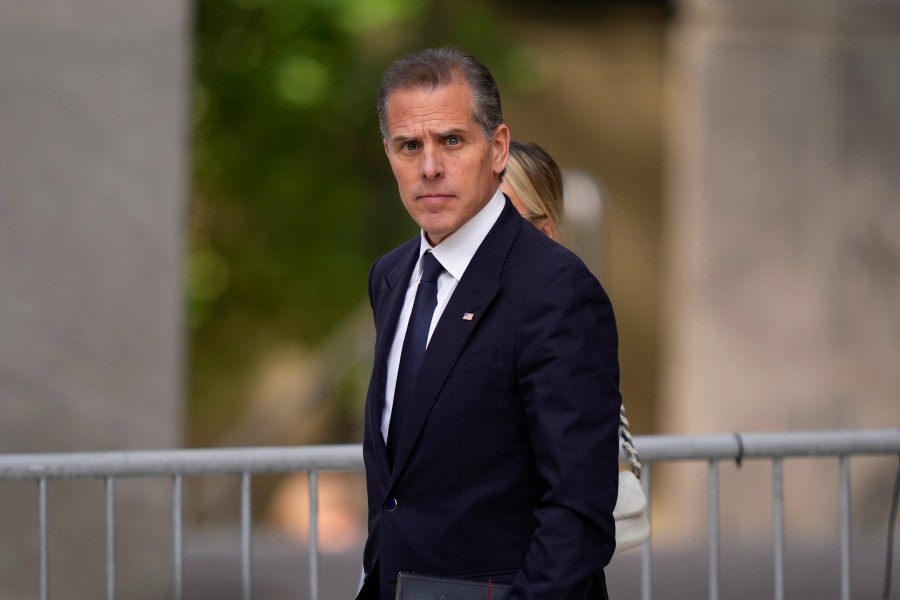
[537, 180]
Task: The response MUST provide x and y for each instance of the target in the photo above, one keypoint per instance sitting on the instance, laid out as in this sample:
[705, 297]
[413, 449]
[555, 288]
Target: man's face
[446, 170]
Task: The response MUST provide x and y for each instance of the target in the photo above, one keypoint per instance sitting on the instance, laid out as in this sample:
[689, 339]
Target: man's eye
[453, 141]
[409, 146]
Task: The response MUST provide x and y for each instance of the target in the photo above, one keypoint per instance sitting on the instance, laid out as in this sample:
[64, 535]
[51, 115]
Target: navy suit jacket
[507, 466]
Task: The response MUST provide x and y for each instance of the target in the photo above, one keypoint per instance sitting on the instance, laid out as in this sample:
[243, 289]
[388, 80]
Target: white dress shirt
[454, 253]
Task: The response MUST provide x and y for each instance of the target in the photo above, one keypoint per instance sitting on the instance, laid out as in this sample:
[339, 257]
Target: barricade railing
[249, 462]
[776, 447]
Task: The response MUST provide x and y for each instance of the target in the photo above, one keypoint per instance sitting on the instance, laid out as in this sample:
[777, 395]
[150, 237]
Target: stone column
[783, 221]
[93, 157]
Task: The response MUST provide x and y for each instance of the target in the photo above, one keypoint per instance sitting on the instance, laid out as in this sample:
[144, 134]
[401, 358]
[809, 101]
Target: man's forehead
[447, 104]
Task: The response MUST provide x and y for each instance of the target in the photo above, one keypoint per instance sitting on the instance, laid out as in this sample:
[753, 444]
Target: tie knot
[431, 268]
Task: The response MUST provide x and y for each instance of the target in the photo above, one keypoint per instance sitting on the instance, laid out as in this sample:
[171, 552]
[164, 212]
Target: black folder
[413, 586]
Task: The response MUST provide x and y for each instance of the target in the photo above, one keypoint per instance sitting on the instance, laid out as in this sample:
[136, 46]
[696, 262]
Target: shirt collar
[456, 250]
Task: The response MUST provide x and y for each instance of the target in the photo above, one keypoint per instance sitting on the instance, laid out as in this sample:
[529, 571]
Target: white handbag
[632, 522]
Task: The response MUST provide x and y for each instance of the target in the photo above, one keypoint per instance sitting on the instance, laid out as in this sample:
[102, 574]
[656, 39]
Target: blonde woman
[534, 183]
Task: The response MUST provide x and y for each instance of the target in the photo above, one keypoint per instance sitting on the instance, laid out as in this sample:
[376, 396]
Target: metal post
[246, 571]
[110, 485]
[713, 529]
[314, 535]
[778, 524]
[845, 526]
[646, 550]
[177, 539]
[42, 538]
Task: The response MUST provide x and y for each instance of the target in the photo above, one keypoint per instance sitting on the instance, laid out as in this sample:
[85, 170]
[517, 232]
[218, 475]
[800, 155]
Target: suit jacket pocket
[506, 575]
[484, 357]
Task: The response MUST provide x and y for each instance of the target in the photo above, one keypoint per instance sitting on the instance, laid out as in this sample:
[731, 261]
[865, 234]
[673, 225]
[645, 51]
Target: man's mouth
[434, 197]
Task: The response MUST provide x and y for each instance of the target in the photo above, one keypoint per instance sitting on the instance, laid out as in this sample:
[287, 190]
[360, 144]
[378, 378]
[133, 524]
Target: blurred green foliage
[292, 197]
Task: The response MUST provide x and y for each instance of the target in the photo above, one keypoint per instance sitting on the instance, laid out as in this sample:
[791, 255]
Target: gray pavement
[280, 570]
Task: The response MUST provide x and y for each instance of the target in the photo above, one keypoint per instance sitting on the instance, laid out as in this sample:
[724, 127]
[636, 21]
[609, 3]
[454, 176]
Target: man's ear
[387, 149]
[500, 147]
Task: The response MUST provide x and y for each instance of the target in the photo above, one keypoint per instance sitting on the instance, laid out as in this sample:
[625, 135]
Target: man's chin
[437, 234]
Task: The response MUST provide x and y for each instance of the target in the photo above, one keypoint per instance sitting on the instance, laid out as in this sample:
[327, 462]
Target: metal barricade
[775, 447]
[178, 464]
[248, 462]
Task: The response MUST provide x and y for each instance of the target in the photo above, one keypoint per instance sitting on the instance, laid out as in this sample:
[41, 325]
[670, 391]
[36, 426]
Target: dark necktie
[413, 348]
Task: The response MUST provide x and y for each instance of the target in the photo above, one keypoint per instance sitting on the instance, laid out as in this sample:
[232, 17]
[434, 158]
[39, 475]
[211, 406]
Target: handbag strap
[628, 444]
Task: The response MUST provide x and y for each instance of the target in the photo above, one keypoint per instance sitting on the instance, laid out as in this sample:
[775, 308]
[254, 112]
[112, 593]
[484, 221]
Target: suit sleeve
[371, 283]
[568, 374]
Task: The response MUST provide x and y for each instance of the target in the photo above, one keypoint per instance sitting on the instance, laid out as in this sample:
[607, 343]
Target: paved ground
[280, 571]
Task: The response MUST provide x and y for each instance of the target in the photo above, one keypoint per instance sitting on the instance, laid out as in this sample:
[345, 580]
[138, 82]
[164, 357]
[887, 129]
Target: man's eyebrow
[401, 139]
[455, 131]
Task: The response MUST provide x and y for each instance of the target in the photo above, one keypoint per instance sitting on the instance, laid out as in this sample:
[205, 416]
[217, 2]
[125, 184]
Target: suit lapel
[474, 294]
[391, 294]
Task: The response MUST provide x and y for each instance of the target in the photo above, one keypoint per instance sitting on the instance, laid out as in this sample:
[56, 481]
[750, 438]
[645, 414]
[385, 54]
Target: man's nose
[432, 165]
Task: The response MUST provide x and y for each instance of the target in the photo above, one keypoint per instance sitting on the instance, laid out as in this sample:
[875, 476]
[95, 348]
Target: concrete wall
[783, 241]
[93, 101]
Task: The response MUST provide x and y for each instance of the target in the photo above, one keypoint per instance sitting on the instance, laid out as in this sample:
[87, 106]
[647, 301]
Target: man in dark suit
[494, 457]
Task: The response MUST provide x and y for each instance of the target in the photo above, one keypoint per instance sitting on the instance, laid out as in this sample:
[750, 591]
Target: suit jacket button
[391, 505]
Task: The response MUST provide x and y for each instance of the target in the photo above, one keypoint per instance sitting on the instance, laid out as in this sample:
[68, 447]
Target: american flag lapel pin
[468, 316]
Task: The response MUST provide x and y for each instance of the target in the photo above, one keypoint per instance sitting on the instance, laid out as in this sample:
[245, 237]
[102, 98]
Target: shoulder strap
[628, 444]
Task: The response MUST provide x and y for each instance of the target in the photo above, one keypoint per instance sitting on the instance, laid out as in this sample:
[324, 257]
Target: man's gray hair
[436, 67]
